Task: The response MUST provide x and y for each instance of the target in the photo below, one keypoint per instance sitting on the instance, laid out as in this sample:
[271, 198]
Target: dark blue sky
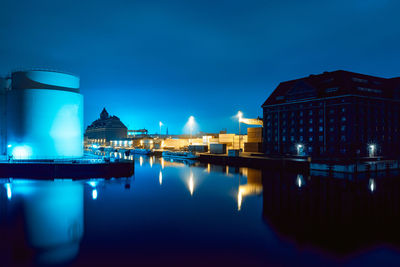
[148, 61]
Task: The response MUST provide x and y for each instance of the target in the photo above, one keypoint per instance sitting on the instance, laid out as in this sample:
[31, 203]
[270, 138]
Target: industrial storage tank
[44, 116]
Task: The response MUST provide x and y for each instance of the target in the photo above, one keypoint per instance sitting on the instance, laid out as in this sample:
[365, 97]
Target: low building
[106, 128]
[337, 114]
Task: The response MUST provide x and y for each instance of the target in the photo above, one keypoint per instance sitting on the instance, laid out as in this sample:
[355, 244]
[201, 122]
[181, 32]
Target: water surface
[175, 213]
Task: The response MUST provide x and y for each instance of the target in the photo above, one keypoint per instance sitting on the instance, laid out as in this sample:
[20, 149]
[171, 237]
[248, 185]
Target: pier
[66, 169]
[256, 161]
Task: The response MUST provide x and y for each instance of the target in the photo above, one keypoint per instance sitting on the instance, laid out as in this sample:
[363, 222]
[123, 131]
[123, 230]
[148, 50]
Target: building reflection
[53, 215]
[253, 186]
[53, 218]
[338, 215]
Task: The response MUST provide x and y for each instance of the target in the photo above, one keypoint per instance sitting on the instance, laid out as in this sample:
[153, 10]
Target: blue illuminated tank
[43, 116]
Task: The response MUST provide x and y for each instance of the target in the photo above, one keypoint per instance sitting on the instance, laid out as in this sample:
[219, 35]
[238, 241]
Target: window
[301, 121]
[301, 138]
[355, 79]
[331, 120]
[343, 118]
[301, 130]
[364, 89]
[321, 138]
[310, 139]
[331, 129]
[292, 138]
[310, 130]
[343, 128]
[331, 111]
[332, 89]
[321, 129]
[283, 138]
[321, 120]
[310, 112]
[343, 138]
[301, 113]
[310, 121]
[343, 109]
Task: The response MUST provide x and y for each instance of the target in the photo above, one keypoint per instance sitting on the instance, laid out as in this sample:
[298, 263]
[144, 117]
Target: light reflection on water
[232, 215]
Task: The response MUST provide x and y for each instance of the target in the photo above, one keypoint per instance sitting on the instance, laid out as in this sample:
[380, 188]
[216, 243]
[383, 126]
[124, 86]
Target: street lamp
[372, 149]
[299, 148]
[191, 124]
[161, 124]
[239, 115]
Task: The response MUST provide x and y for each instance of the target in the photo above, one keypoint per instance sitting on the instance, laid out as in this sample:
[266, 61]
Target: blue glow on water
[94, 194]
[233, 215]
[8, 188]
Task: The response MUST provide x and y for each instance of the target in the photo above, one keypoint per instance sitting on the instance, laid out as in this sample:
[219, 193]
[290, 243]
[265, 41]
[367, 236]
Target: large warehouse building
[334, 114]
[41, 115]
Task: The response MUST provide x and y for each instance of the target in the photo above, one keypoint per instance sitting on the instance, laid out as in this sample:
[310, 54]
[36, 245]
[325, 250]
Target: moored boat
[179, 155]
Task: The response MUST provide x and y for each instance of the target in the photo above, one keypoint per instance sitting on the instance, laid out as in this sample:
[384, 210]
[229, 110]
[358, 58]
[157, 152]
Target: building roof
[106, 121]
[334, 83]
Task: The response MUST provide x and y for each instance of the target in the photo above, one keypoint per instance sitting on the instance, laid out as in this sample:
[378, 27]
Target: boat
[179, 155]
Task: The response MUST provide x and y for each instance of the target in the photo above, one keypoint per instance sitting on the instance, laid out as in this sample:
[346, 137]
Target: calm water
[172, 213]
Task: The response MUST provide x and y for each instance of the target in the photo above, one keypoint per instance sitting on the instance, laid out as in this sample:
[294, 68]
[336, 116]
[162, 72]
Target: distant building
[336, 113]
[106, 128]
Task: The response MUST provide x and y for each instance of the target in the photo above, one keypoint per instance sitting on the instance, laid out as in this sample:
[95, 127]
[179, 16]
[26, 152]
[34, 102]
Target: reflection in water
[300, 180]
[8, 188]
[140, 161]
[162, 163]
[94, 193]
[372, 185]
[53, 212]
[191, 183]
[339, 215]
[151, 162]
[252, 187]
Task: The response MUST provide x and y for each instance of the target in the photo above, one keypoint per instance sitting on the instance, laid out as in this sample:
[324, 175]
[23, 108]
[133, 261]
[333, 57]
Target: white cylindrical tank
[44, 116]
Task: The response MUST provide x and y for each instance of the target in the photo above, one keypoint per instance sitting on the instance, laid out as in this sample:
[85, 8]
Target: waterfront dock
[302, 164]
[66, 169]
[256, 161]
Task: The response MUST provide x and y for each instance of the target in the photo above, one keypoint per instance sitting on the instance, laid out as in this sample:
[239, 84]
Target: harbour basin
[187, 213]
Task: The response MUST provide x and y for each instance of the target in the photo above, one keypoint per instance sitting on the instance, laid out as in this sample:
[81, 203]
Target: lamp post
[240, 115]
[299, 147]
[191, 123]
[371, 150]
[161, 124]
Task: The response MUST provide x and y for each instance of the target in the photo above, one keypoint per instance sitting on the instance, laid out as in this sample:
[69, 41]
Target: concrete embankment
[71, 170]
[257, 162]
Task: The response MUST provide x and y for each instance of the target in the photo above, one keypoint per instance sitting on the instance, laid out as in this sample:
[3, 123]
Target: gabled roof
[332, 84]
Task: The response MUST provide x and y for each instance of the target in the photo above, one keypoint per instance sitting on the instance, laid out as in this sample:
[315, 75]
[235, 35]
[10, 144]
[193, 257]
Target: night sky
[147, 61]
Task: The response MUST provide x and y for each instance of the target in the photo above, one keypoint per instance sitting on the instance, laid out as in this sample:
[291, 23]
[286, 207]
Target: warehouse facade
[336, 114]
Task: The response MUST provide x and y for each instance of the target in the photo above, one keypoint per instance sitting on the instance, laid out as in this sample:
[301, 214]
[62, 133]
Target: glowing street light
[372, 149]
[240, 116]
[191, 124]
[299, 147]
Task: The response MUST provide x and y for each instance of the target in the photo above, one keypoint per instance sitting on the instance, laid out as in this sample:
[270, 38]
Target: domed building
[106, 128]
